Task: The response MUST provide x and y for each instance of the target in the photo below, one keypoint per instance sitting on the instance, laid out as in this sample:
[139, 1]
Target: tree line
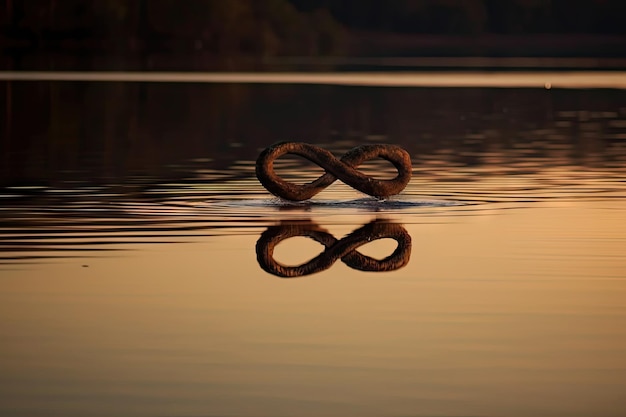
[285, 27]
[223, 27]
[477, 16]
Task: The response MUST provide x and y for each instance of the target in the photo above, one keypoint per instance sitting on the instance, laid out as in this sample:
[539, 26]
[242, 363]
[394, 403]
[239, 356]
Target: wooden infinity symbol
[343, 169]
[344, 249]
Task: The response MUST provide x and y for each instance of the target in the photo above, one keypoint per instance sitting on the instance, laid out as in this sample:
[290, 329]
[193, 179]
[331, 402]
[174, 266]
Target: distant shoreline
[361, 44]
[363, 51]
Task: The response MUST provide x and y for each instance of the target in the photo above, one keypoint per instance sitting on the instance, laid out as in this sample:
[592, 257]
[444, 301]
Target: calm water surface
[137, 276]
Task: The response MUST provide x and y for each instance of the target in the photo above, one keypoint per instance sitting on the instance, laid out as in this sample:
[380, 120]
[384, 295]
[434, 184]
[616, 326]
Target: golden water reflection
[130, 284]
[517, 313]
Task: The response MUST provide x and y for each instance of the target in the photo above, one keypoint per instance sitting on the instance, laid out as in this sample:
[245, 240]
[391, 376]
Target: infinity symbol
[344, 249]
[343, 169]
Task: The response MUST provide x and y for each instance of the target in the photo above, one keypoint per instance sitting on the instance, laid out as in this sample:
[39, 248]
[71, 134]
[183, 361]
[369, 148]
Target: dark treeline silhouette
[477, 16]
[268, 28]
[221, 27]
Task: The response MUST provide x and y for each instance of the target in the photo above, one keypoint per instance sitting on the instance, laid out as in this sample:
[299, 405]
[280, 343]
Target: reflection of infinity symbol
[343, 169]
[344, 249]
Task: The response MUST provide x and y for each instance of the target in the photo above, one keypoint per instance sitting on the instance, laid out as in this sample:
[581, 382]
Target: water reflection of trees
[111, 131]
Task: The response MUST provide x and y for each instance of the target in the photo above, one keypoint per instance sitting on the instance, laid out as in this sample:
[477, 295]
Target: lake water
[137, 276]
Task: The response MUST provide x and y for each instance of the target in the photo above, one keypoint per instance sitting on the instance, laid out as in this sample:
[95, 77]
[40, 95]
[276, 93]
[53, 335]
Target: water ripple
[40, 224]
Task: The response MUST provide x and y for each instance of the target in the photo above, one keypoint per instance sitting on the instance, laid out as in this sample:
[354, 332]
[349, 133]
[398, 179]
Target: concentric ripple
[82, 221]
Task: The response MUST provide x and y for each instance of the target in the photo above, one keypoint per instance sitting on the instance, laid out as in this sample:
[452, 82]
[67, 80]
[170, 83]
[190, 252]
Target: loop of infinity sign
[334, 249]
[343, 169]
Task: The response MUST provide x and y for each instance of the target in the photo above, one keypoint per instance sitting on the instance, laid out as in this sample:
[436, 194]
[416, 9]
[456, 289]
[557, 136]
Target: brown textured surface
[335, 249]
[343, 169]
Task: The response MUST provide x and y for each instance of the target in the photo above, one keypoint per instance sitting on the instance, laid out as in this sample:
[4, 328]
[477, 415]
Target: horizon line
[496, 79]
